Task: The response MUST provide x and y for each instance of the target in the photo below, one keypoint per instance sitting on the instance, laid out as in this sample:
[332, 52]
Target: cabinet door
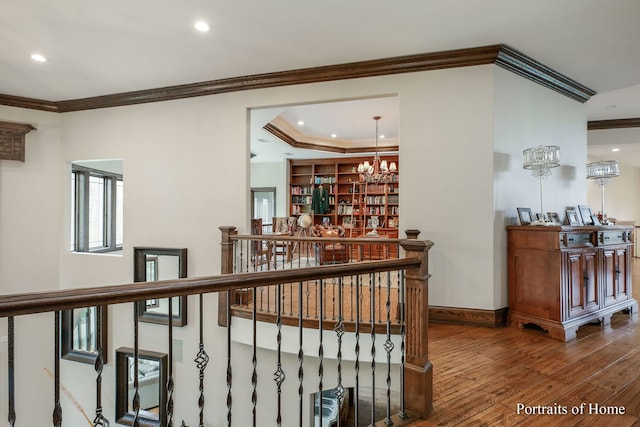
[615, 274]
[581, 284]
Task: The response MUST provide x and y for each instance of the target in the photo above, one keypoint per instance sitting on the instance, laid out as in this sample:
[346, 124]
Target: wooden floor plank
[482, 374]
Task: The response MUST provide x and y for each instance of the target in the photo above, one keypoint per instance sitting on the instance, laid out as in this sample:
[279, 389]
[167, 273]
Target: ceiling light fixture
[615, 150]
[378, 171]
[300, 123]
[38, 57]
[202, 26]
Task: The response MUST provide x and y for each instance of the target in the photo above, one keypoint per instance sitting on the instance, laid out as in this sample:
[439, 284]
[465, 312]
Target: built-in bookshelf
[352, 203]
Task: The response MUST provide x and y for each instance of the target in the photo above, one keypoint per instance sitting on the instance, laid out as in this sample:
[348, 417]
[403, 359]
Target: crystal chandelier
[601, 172]
[378, 171]
[540, 160]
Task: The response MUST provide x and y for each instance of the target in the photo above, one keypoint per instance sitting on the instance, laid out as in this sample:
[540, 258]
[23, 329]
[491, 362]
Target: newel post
[418, 371]
[226, 267]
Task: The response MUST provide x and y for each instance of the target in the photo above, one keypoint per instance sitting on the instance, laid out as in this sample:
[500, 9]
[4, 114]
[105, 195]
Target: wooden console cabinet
[562, 277]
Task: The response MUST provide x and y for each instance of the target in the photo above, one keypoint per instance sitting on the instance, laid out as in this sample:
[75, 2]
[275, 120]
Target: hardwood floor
[508, 376]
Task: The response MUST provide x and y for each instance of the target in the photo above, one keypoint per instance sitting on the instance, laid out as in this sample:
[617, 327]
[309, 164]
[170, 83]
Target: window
[96, 207]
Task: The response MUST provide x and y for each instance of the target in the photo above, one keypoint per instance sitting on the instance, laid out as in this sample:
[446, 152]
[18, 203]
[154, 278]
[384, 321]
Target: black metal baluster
[278, 375]
[401, 305]
[229, 371]
[57, 409]
[379, 294]
[11, 371]
[372, 284]
[170, 385]
[254, 363]
[290, 299]
[339, 329]
[357, 348]
[136, 355]
[300, 354]
[99, 419]
[388, 346]
[202, 359]
[320, 347]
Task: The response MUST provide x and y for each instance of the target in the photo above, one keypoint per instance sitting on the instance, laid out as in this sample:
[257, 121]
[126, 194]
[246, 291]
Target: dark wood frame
[585, 214]
[123, 415]
[522, 212]
[139, 275]
[554, 217]
[573, 217]
[66, 338]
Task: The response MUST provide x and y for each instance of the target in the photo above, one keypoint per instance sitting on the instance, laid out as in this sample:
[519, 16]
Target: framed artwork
[595, 219]
[541, 217]
[155, 264]
[553, 217]
[83, 332]
[585, 214]
[326, 220]
[525, 216]
[152, 371]
[573, 217]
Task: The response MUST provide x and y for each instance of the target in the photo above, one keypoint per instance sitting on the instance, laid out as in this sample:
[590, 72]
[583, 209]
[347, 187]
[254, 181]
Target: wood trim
[468, 316]
[613, 124]
[531, 69]
[498, 54]
[12, 140]
[30, 103]
[288, 139]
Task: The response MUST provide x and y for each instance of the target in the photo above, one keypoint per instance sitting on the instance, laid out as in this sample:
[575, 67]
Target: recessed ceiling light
[38, 57]
[381, 136]
[615, 150]
[202, 26]
[300, 123]
[333, 135]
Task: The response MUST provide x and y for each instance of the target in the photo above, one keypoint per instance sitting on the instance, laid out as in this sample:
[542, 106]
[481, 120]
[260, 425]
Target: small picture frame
[554, 218]
[326, 220]
[595, 219]
[525, 216]
[573, 218]
[541, 217]
[585, 214]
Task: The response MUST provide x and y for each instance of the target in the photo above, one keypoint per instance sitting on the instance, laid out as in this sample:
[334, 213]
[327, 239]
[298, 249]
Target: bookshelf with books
[352, 203]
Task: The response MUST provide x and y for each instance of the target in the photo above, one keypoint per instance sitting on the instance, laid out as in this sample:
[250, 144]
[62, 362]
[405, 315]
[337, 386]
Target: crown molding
[30, 103]
[613, 124]
[285, 137]
[499, 54]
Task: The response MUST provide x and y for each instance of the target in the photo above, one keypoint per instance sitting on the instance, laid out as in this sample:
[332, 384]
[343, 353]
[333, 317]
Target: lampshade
[603, 169]
[540, 159]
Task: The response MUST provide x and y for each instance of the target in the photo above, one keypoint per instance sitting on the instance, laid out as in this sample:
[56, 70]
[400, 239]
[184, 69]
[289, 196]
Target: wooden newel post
[226, 267]
[418, 371]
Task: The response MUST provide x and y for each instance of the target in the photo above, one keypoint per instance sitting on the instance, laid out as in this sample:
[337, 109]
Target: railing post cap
[227, 228]
[412, 233]
[416, 245]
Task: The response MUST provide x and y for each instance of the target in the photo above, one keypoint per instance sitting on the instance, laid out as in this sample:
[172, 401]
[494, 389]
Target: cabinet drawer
[613, 237]
[574, 240]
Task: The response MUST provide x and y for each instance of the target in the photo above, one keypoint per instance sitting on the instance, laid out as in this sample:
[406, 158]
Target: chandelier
[378, 171]
[540, 160]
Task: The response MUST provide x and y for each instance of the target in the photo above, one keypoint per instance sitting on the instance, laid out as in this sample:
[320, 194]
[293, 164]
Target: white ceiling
[98, 48]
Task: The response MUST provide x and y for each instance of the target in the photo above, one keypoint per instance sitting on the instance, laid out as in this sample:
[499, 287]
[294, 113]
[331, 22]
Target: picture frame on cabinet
[573, 218]
[554, 217]
[525, 216]
[595, 219]
[585, 214]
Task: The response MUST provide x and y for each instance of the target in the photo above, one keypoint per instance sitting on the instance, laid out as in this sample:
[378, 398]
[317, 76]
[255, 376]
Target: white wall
[186, 172]
[272, 174]
[525, 117]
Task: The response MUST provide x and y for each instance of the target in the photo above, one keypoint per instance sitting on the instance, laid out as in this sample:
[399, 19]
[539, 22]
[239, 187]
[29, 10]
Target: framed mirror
[152, 393]
[151, 265]
[79, 334]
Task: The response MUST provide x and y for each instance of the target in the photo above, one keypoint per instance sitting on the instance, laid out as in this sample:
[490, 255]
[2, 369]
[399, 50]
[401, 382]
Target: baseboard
[468, 316]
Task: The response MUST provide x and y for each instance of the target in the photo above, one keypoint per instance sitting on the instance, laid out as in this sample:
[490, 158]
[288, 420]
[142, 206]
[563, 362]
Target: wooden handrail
[42, 302]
